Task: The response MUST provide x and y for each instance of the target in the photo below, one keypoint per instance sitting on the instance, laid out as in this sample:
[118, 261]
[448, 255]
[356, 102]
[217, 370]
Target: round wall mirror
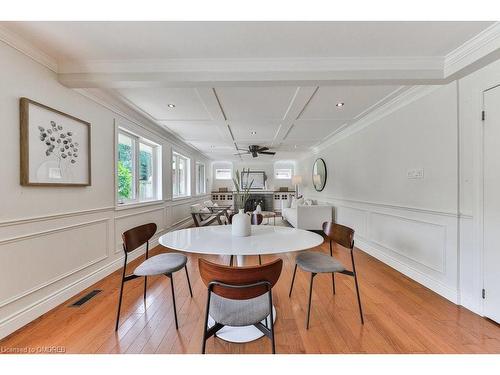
[319, 174]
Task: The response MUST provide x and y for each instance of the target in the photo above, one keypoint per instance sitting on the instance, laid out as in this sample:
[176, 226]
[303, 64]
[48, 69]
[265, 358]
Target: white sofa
[308, 217]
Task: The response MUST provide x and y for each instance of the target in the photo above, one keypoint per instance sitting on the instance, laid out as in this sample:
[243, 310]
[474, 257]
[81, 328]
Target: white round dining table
[218, 240]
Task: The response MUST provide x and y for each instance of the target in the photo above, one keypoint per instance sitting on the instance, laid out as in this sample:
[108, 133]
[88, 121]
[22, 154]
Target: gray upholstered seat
[315, 262]
[161, 264]
[238, 313]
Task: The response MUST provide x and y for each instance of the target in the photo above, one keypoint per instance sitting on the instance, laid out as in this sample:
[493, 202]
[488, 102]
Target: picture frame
[258, 178]
[55, 147]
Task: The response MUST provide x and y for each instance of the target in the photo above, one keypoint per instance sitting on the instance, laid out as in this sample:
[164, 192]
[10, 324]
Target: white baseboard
[407, 270]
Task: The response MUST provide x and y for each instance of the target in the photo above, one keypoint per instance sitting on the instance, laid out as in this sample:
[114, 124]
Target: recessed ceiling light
[212, 146]
[340, 104]
[253, 133]
[171, 105]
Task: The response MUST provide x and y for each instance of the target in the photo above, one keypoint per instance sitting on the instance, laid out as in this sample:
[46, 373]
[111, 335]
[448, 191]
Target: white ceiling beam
[241, 72]
[204, 79]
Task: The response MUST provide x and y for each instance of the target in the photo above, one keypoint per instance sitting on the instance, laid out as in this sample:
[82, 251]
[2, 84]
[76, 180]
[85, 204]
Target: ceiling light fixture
[339, 104]
[171, 105]
[253, 133]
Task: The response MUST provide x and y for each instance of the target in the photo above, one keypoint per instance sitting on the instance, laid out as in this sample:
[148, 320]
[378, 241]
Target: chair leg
[293, 279]
[205, 325]
[260, 261]
[310, 297]
[359, 299]
[189, 283]
[121, 296]
[333, 282]
[231, 261]
[171, 276]
[145, 288]
[356, 283]
[272, 321]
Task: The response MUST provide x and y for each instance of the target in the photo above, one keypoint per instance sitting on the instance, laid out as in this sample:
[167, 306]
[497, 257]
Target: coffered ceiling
[220, 86]
[284, 118]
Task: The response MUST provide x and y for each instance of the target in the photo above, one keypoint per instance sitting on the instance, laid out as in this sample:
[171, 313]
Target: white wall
[411, 224]
[54, 242]
[267, 166]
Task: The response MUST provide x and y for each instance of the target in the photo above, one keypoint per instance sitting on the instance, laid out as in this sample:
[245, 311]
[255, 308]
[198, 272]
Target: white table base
[241, 334]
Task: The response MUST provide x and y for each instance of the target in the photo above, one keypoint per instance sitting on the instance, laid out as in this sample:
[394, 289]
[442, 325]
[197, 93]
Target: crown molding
[20, 44]
[403, 99]
[479, 46]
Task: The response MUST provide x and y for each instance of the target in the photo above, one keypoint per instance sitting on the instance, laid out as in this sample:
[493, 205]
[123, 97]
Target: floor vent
[86, 298]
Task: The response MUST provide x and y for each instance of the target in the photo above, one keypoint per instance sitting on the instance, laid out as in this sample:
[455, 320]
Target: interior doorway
[491, 203]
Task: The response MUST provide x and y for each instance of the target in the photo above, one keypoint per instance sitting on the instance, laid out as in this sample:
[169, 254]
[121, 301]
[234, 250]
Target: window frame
[187, 178]
[197, 178]
[224, 169]
[283, 169]
[156, 156]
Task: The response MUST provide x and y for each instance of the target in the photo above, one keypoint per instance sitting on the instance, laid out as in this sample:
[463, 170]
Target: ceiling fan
[255, 150]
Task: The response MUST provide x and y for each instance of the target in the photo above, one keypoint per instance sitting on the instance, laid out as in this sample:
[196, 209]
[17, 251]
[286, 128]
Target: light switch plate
[416, 173]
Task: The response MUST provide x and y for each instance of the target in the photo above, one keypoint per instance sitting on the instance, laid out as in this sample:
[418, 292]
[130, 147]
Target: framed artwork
[258, 178]
[55, 147]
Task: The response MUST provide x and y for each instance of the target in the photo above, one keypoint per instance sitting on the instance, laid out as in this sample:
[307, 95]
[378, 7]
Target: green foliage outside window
[124, 171]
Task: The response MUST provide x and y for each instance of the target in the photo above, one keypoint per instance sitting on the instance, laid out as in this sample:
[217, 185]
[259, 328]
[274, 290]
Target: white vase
[258, 209]
[241, 226]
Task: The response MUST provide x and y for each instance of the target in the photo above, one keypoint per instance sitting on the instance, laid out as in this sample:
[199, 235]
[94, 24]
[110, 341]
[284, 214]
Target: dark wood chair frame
[145, 231]
[345, 239]
[255, 219]
[240, 292]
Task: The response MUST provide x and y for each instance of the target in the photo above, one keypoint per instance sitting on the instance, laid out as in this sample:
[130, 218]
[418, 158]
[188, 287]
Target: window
[223, 174]
[181, 179]
[138, 169]
[283, 174]
[146, 183]
[200, 178]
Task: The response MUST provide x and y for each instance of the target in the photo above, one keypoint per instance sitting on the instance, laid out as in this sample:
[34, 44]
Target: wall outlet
[413, 174]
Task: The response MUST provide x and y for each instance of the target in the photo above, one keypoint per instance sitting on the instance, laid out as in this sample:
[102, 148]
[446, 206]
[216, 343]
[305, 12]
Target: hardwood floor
[401, 316]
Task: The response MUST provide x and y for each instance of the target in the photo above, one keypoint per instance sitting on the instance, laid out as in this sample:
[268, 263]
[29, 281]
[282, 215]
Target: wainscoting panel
[353, 218]
[62, 251]
[422, 244]
[420, 241]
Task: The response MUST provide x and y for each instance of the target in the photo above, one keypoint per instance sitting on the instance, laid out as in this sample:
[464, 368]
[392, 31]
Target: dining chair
[316, 262]
[161, 264]
[255, 219]
[239, 297]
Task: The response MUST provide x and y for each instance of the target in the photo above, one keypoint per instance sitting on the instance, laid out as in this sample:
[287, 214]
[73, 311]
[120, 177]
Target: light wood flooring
[401, 316]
